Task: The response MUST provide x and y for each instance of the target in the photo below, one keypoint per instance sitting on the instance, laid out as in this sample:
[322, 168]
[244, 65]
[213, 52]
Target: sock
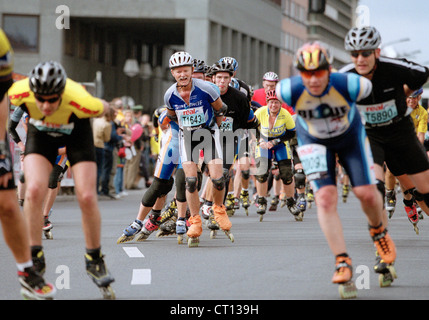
[22, 266]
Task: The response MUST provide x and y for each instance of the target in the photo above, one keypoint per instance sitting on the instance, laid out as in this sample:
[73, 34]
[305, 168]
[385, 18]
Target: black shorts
[11, 182]
[79, 144]
[401, 150]
[4, 87]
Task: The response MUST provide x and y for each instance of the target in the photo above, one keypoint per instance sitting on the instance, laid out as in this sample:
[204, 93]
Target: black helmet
[48, 78]
[199, 66]
[223, 66]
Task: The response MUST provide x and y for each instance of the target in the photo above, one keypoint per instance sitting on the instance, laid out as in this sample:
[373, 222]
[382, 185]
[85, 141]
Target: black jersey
[238, 112]
[386, 104]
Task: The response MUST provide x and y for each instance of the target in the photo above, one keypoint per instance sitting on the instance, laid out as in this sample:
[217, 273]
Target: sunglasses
[364, 54]
[316, 73]
[51, 100]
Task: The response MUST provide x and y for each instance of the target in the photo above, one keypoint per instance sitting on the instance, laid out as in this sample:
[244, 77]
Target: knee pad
[180, 186]
[299, 178]
[423, 196]
[417, 195]
[225, 173]
[285, 168]
[262, 178]
[219, 184]
[191, 184]
[158, 189]
[54, 177]
[410, 191]
[245, 174]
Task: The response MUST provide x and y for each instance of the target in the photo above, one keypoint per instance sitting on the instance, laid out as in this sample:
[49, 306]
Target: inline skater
[388, 124]
[59, 110]
[236, 120]
[276, 128]
[14, 226]
[197, 107]
[329, 124]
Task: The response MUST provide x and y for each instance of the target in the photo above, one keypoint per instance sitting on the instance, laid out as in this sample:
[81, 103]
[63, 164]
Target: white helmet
[180, 59]
[366, 38]
[270, 76]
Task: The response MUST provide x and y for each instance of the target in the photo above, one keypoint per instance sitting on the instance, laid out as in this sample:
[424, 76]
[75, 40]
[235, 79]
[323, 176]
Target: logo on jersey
[323, 111]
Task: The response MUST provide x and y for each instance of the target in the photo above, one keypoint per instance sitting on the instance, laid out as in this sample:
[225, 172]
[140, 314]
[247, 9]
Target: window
[22, 31]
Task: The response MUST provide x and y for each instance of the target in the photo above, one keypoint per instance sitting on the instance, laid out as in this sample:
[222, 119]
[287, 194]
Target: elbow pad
[221, 112]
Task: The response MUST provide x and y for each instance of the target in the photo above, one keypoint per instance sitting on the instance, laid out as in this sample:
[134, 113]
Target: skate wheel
[261, 217]
[108, 293]
[385, 279]
[230, 236]
[390, 214]
[347, 290]
[180, 239]
[416, 229]
[193, 242]
[247, 211]
[213, 234]
[48, 235]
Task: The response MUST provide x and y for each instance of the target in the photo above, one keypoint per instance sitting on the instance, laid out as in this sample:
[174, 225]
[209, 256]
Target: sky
[399, 19]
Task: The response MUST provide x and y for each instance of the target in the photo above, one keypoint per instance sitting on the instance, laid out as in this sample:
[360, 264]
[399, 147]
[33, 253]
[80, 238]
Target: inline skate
[181, 229]
[97, 271]
[262, 207]
[274, 203]
[47, 227]
[413, 216]
[245, 201]
[223, 221]
[390, 202]
[294, 209]
[34, 287]
[343, 277]
[130, 232]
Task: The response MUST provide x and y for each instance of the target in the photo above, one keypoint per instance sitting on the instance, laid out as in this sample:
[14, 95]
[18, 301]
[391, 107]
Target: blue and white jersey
[199, 112]
[330, 114]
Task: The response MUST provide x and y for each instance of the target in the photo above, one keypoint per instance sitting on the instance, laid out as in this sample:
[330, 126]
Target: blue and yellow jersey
[76, 102]
[6, 56]
[283, 122]
[330, 114]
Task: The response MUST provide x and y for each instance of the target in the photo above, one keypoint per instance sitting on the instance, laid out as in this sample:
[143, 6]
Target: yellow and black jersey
[76, 103]
[6, 57]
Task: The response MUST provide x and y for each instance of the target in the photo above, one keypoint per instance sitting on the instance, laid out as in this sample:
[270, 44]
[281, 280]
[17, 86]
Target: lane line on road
[133, 252]
[141, 277]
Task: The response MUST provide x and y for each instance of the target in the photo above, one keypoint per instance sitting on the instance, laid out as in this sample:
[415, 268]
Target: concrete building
[90, 36]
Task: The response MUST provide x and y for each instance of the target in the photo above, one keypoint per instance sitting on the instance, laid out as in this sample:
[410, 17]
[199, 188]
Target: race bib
[191, 117]
[379, 113]
[313, 159]
[227, 124]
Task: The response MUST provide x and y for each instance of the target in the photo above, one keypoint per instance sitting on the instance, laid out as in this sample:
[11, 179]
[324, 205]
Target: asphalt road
[277, 259]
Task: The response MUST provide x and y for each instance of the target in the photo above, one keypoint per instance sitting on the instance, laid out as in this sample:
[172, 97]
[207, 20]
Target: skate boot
[262, 207]
[167, 228]
[212, 225]
[151, 225]
[38, 257]
[47, 226]
[293, 208]
[222, 220]
[194, 231]
[97, 271]
[274, 202]
[302, 203]
[419, 210]
[181, 229]
[413, 216]
[130, 232]
[205, 212]
[167, 224]
[387, 272]
[309, 195]
[244, 197]
[383, 244]
[236, 204]
[229, 204]
[343, 277]
[34, 287]
[390, 202]
[346, 190]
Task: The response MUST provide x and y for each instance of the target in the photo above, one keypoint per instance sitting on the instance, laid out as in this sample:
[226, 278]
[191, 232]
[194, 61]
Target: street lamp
[131, 67]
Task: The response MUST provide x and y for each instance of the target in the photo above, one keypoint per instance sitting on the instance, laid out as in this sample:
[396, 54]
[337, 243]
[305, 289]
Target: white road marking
[141, 277]
[133, 252]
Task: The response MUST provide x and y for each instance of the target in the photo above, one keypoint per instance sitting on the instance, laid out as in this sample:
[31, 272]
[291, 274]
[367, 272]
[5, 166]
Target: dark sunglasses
[364, 54]
[51, 100]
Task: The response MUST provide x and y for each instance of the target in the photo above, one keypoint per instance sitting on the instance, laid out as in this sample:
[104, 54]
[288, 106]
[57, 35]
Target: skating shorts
[399, 147]
[79, 144]
[191, 142]
[168, 157]
[318, 156]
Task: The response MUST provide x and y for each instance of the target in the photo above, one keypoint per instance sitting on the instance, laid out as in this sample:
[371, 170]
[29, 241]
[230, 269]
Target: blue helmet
[230, 60]
[416, 93]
